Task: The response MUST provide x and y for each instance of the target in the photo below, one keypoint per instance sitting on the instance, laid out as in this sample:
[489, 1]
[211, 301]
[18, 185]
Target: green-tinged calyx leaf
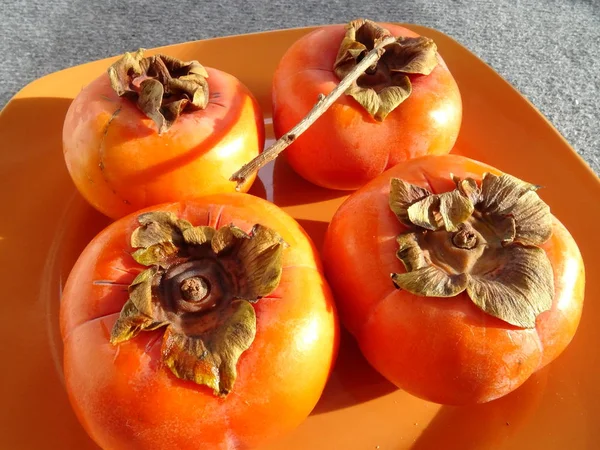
[130, 322]
[199, 283]
[228, 238]
[156, 254]
[258, 263]
[162, 86]
[140, 292]
[157, 228]
[209, 355]
[479, 239]
[387, 83]
[198, 235]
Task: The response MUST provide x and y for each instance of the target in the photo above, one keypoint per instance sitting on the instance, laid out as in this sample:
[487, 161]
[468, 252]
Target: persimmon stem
[322, 105]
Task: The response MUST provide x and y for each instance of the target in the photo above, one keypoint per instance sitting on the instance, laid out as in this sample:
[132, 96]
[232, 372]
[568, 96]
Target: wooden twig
[322, 105]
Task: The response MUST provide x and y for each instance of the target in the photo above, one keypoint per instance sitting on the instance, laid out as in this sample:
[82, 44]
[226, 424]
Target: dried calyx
[163, 87]
[386, 84]
[483, 239]
[199, 284]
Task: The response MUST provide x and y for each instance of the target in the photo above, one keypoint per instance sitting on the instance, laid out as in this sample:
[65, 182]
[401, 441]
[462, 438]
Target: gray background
[548, 49]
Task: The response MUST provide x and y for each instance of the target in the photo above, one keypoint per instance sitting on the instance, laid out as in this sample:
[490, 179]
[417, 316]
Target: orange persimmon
[511, 275]
[155, 130]
[204, 324]
[406, 105]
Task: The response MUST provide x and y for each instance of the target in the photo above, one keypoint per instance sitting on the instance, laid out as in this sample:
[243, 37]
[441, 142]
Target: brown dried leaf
[195, 68]
[139, 313]
[430, 281]
[154, 67]
[520, 287]
[157, 227]
[447, 210]
[209, 356]
[149, 101]
[455, 208]
[144, 277]
[505, 228]
[505, 197]
[411, 55]
[260, 263]
[179, 68]
[130, 322]
[361, 36]
[157, 216]
[385, 85]
[202, 343]
[157, 254]
[422, 277]
[469, 188]
[533, 219]
[367, 98]
[500, 193]
[410, 252]
[367, 32]
[140, 292]
[402, 195]
[380, 104]
[350, 50]
[195, 88]
[227, 238]
[162, 86]
[198, 235]
[505, 275]
[425, 213]
[121, 71]
[171, 111]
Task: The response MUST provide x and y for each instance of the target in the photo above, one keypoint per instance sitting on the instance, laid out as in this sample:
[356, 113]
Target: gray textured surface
[548, 49]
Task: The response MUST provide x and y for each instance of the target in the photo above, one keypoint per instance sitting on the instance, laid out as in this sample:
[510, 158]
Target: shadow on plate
[353, 380]
[290, 189]
[488, 425]
[316, 229]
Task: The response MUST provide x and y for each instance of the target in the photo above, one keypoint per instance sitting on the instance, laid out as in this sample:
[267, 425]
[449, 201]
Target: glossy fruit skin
[120, 164]
[345, 147]
[126, 399]
[445, 350]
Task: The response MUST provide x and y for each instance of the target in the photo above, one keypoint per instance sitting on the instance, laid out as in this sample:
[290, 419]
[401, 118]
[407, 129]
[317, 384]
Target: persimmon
[455, 278]
[198, 324]
[405, 105]
[155, 129]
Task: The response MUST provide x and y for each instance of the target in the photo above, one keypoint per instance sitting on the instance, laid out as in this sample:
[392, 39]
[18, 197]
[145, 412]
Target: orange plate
[45, 224]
